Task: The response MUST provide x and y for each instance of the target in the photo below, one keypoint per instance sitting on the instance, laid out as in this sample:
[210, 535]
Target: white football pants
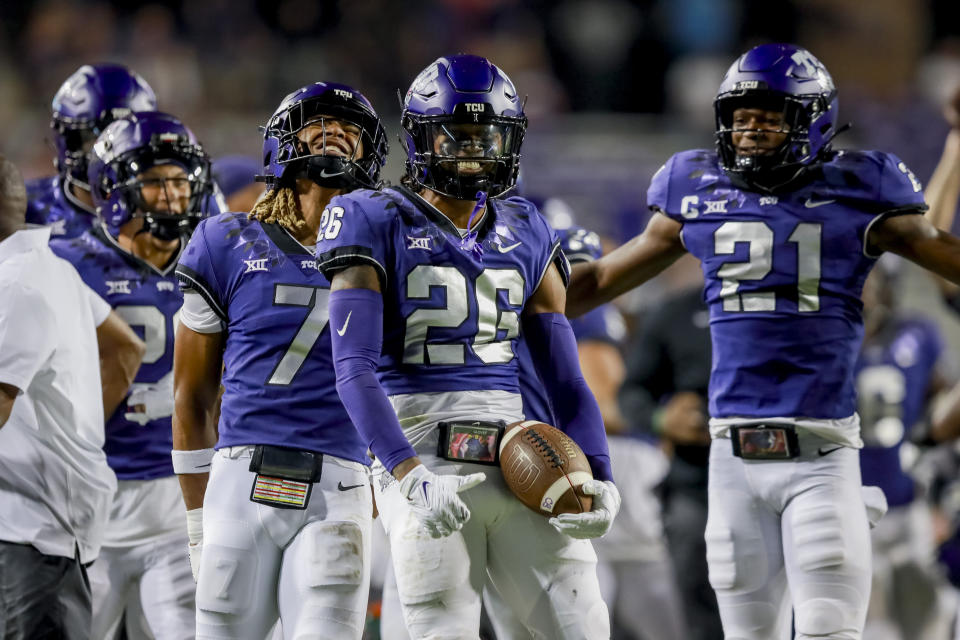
[311, 566]
[143, 571]
[548, 579]
[799, 524]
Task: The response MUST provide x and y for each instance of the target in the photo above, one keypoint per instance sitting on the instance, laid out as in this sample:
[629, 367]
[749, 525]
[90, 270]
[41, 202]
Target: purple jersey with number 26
[279, 383]
[783, 276]
[451, 314]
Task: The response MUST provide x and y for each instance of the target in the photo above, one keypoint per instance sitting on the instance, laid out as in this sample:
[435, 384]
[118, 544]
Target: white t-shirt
[55, 484]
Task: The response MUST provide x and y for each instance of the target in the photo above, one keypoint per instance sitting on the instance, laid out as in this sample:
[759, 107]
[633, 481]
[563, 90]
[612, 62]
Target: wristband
[195, 525]
[192, 460]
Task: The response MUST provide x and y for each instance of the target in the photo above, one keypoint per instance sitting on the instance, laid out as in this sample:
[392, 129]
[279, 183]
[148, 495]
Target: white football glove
[156, 399]
[434, 499]
[195, 539]
[597, 521]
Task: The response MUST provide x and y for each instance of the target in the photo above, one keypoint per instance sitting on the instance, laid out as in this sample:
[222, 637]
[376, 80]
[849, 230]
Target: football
[544, 468]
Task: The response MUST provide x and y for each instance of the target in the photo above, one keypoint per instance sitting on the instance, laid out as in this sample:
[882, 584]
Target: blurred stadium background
[614, 86]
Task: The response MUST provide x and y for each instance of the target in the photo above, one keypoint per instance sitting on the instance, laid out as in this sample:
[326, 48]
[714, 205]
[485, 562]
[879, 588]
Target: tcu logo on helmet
[524, 470]
[343, 94]
[474, 107]
[804, 57]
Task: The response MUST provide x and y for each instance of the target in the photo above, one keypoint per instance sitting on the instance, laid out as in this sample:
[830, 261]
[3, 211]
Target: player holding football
[786, 230]
[284, 524]
[151, 185]
[89, 100]
[438, 275]
[636, 574]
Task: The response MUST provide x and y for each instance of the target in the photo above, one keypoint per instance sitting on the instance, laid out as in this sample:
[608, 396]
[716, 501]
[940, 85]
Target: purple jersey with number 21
[783, 276]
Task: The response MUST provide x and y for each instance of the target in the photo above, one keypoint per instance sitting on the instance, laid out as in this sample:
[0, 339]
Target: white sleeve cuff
[197, 315]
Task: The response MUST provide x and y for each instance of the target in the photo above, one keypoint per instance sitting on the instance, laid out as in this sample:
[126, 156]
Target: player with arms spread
[89, 100]
[786, 230]
[151, 186]
[438, 275]
[284, 525]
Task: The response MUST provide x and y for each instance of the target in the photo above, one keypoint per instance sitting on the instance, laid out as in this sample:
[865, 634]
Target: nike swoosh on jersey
[810, 204]
[503, 249]
[821, 451]
[342, 330]
[348, 487]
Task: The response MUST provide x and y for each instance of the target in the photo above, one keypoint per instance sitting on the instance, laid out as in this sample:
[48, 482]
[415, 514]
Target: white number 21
[806, 235]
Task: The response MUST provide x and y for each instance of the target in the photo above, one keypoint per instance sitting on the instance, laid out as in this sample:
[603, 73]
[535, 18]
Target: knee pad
[328, 563]
[335, 554]
[827, 619]
[228, 568]
[818, 537]
[425, 567]
[721, 556]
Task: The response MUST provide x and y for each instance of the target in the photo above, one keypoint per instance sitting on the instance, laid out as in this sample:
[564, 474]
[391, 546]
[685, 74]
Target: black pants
[685, 520]
[42, 597]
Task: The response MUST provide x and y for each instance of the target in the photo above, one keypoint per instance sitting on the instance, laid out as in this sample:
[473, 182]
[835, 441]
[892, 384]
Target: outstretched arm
[627, 267]
[943, 190]
[913, 237]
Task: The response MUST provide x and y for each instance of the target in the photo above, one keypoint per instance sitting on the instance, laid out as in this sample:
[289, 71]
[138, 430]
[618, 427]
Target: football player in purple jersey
[786, 229]
[898, 372]
[89, 100]
[150, 183]
[279, 517]
[430, 282]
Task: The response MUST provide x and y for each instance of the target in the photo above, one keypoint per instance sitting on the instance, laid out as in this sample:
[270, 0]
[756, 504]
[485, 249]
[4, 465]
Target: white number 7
[301, 296]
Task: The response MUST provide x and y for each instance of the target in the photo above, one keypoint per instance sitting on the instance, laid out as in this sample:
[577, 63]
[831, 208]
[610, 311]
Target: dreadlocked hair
[279, 206]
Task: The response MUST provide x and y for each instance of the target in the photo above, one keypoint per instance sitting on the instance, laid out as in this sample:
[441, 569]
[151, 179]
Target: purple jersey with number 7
[279, 383]
[783, 274]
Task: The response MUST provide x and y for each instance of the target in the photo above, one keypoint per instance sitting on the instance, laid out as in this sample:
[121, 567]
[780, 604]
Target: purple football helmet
[463, 125]
[778, 77]
[133, 144]
[89, 100]
[286, 157]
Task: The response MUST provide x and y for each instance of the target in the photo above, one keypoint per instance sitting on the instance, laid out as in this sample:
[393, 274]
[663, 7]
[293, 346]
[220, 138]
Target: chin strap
[469, 241]
[837, 132]
[69, 183]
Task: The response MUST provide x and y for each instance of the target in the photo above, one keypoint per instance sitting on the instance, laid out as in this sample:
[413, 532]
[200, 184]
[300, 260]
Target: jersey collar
[102, 234]
[284, 240]
[441, 220]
